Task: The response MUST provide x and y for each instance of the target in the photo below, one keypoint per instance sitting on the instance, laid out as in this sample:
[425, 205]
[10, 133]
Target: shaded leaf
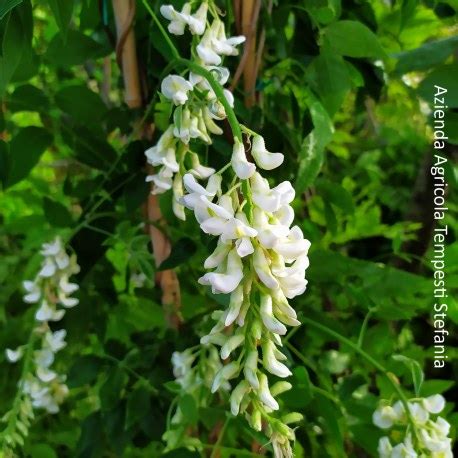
[353, 39]
[56, 214]
[26, 149]
[62, 11]
[182, 251]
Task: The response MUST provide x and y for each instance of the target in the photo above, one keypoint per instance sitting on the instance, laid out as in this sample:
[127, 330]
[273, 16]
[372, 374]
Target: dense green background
[343, 94]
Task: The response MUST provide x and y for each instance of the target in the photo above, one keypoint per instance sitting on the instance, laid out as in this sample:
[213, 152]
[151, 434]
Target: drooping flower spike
[260, 258]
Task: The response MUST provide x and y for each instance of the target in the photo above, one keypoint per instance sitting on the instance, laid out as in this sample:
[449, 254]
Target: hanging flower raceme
[196, 107]
[424, 434]
[51, 291]
[260, 257]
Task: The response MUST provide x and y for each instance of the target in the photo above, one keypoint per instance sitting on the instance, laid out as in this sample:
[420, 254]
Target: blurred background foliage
[344, 89]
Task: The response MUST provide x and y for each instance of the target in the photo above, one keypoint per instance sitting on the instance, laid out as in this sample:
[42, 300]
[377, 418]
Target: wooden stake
[126, 54]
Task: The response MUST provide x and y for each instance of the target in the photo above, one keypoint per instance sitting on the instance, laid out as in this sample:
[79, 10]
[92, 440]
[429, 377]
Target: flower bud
[270, 322]
[231, 344]
[237, 395]
[251, 368]
[225, 373]
[271, 363]
[280, 387]
[264, 393]
[293, 417]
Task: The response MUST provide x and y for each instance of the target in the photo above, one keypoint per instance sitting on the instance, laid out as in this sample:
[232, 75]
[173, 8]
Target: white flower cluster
[260, 258]
[193, 370]
[52, 290]
[197, 107]
[429, 438]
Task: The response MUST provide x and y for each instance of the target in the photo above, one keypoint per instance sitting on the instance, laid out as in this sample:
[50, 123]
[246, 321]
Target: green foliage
[344, 90]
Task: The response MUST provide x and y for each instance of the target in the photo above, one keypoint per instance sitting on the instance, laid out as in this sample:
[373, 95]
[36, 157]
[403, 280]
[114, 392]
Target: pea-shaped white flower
[263, 158]
[176, 88]
[242, 168]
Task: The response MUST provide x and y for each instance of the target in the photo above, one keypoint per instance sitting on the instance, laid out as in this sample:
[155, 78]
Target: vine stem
[368, 358]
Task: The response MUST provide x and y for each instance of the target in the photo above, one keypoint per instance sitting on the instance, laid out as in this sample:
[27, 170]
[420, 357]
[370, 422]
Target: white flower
[56, 340]
[261, 266]
[262, 157]
[44, 357]
[434, 404]
[13, 356]
[194, 200]
[66, 301]
[198, 170]
[404, 450]
[441, 426]
[162, 181]
[419, 414]
[205, 49]
[178, 20]
[176, 88]
[242, 168]
[221, 44]
[384, 417]
[53, 248]
[226, 280]
[197, 21]
[268, 234]
[182, 362]
[46, 313]
[45, 374]
[433, 442]
[48, 268]
[384, 447]
[271, 200]
[33, 292]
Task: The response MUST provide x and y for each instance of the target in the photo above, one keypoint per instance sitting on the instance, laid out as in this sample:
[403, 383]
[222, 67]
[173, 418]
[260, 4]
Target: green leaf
[328, 75]
[77, 49]
[415, 369]
[62, 11]
[138, 405]
[311, 160]
[446, 77]
[353, 39]
[188, 408]
[81, 103]
[435, 386]
[84, 371]
[426, 56]
[182, 251]
[7, 6]
[26, 149]
[42, 451]
[110, 391]
[14, 41]
[336, 195]
[89, 147]
[28, 98]
[56, 214]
